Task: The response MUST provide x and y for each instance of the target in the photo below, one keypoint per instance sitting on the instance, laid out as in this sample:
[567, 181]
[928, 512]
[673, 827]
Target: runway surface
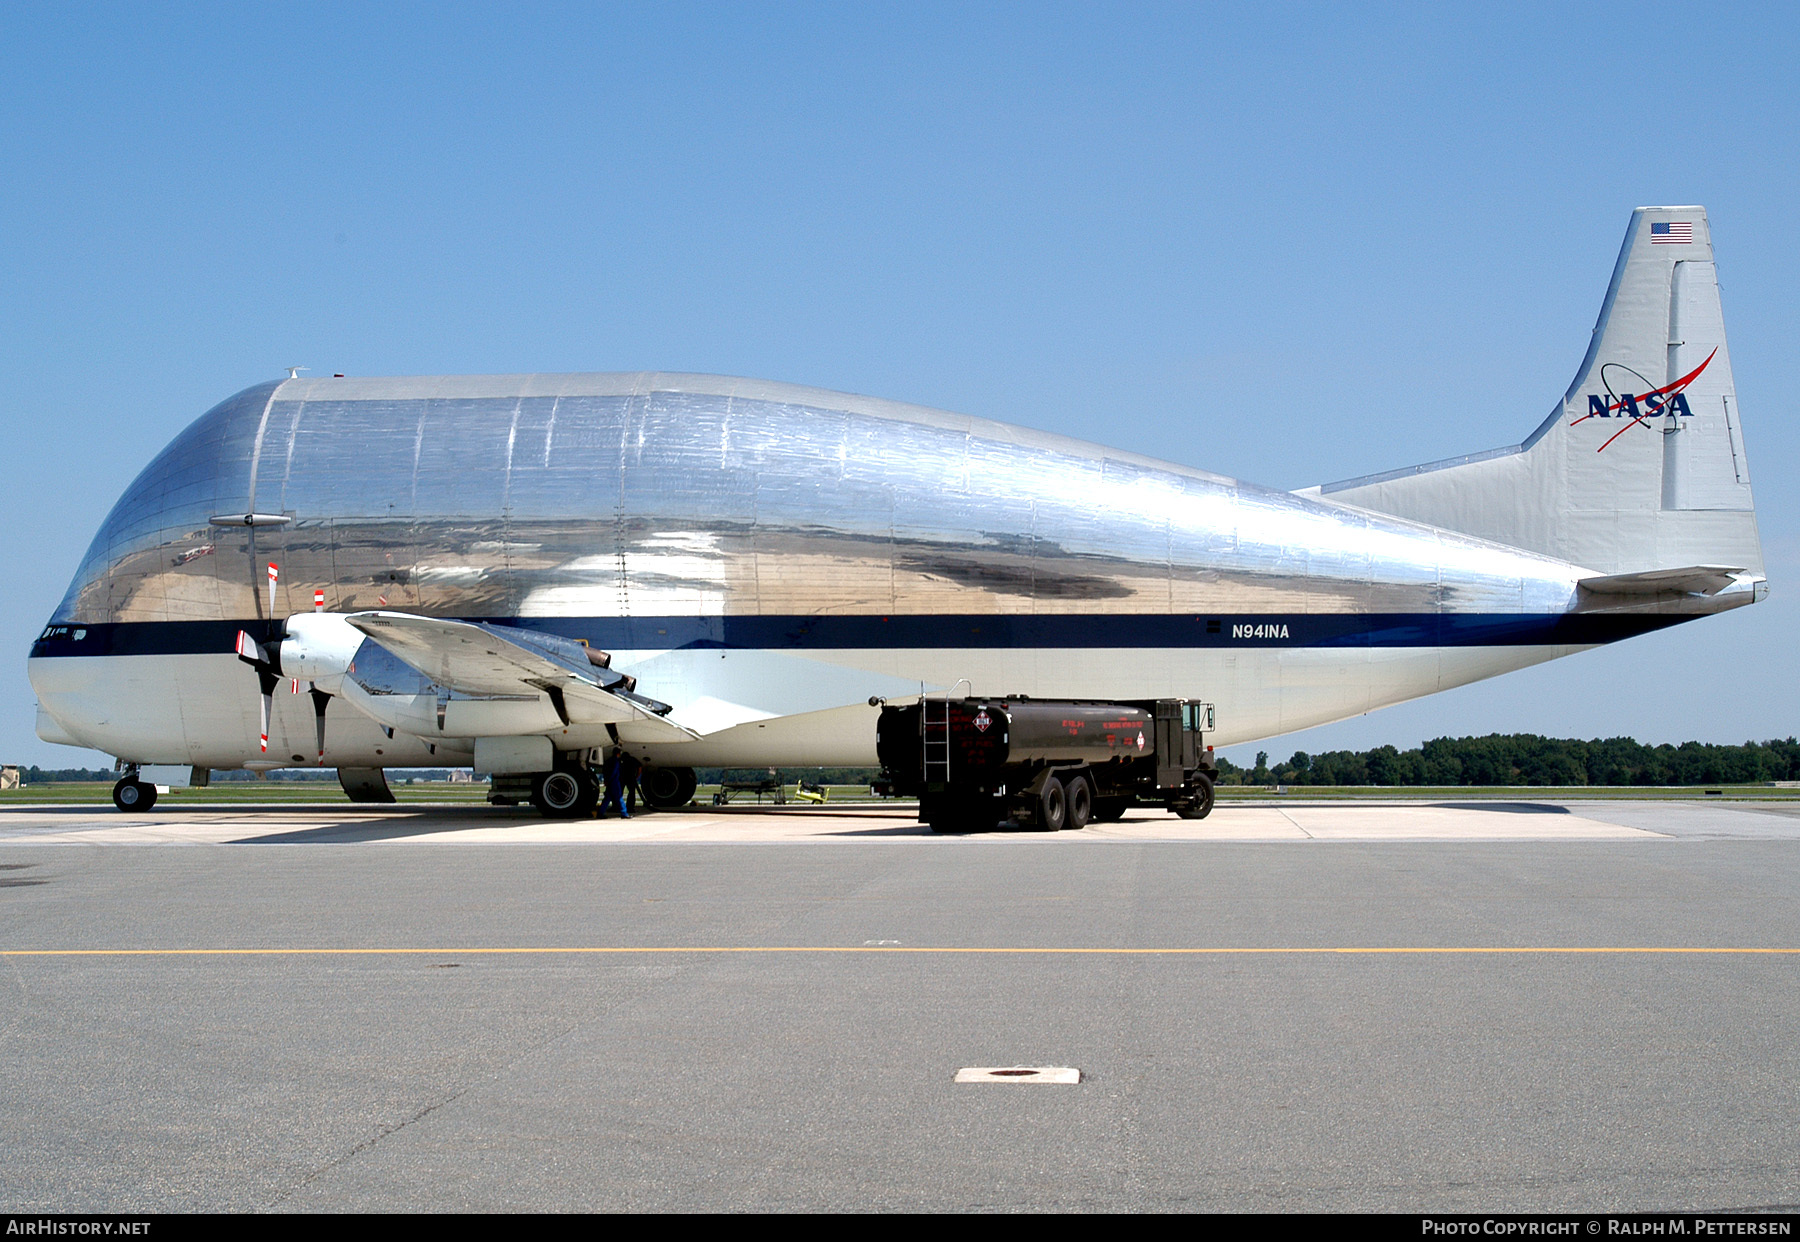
[467, 824]
[1295, 1008]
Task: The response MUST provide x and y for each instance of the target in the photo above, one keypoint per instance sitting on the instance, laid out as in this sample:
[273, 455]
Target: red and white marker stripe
[274, 575]
[318, 601]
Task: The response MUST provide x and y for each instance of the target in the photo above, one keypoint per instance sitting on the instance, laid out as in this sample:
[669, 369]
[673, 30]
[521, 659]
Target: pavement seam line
[383, 1132]
[1282, 811]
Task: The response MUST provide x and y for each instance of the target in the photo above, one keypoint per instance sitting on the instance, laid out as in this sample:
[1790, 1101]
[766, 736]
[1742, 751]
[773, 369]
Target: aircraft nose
[59, 682]
[49, 730]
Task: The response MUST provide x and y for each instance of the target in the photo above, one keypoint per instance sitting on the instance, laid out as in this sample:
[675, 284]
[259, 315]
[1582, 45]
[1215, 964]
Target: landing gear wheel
[130, 795]
[1200, 804]
[1081, 802]
[567, 793]
[1053, 806]
[668, 788]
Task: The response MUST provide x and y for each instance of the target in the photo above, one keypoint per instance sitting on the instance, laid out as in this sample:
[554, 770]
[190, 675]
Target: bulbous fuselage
[756, 553]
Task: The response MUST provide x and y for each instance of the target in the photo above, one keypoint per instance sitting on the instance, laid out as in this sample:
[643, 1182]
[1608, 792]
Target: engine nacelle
[319, 647]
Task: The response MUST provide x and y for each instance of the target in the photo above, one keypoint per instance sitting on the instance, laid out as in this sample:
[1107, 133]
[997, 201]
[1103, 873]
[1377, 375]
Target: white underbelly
[758, 707]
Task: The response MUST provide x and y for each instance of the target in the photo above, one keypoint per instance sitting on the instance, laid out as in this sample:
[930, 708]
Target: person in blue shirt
[615, 788]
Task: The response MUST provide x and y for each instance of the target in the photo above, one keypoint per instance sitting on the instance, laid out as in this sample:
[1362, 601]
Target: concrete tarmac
[1461, 1007]
[477, 824]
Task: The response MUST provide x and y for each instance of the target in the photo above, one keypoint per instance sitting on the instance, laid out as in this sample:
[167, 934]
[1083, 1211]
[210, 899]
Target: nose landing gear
[131, 794]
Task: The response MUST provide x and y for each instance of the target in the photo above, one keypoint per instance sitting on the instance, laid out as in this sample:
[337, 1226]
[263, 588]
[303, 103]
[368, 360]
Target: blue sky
[1286, 243]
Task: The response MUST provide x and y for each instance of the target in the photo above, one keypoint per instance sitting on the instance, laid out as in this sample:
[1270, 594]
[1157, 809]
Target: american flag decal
[1672, 233]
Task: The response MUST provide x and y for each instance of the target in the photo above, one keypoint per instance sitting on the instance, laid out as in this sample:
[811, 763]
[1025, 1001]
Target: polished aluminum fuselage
[765, 558]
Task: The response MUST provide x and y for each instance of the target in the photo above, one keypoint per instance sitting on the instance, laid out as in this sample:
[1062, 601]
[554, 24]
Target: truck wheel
[1110, 810]
[1053, 806]
[1080, 797]
[1200, 802]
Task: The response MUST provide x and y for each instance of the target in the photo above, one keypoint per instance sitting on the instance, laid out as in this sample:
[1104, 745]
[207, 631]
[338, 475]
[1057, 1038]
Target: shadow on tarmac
[1505, 808]
[397, 823]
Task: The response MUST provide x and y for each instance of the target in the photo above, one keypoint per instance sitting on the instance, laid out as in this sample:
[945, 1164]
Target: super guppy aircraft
[374, 573]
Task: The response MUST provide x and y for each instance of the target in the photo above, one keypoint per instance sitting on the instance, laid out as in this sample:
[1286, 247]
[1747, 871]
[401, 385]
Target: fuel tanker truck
[1045, 764]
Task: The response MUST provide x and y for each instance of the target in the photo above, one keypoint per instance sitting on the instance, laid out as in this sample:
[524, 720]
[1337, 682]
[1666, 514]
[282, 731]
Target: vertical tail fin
[1641, 466]
[1656, 381]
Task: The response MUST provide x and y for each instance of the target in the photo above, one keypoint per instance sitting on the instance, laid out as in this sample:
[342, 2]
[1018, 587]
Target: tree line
[1527, 759]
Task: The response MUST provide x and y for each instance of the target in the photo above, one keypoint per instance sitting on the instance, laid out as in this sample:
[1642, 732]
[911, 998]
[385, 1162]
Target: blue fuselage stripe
[852, 633]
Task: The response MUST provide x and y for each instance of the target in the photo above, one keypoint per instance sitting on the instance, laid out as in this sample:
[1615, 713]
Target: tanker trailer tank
[1044, 764]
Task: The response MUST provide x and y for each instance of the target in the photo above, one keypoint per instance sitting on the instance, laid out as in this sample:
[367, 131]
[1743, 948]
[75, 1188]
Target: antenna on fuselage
[294, 372]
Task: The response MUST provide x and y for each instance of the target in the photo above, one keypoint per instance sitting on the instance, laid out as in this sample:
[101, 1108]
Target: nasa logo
[1637, 406]
[982, 721]
[1626, 404]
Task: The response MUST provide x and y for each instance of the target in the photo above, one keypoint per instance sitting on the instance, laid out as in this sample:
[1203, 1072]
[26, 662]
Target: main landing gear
[567, 793]
[668, 789]
[574, 792]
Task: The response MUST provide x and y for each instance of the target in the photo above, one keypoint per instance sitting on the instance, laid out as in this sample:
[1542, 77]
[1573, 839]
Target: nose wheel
[133, 795]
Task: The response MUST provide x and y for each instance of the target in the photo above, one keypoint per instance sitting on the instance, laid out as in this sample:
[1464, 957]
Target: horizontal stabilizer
[1690, 580]
[485, 660]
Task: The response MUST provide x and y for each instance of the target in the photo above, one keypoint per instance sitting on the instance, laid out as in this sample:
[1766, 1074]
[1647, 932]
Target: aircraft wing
[1691, 579]
[478, 659]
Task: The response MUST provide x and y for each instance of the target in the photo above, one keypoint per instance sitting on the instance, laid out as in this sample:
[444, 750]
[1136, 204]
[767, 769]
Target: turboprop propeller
[314, 647]
[268, 672]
